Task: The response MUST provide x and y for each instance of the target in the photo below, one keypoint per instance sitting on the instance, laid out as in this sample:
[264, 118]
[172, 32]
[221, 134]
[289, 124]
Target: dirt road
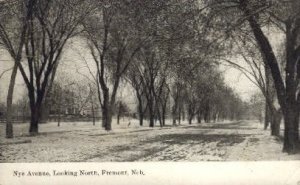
[82, 142]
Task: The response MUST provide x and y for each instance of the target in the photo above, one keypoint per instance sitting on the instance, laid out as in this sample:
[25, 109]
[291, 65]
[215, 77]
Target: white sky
[239, 82]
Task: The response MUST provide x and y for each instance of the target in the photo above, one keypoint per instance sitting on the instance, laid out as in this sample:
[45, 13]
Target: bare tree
[259, 74]
[17, 13]
[113, 45]
[50, 26]
[283, 16]
[134, 77]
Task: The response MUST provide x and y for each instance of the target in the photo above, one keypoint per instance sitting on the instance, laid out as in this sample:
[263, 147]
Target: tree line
[168, 51]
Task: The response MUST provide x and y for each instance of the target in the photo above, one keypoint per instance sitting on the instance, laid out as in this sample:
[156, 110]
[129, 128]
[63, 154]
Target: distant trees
[73, 97]
[195, 85]
[122, 110]
[59, 99]
[20, 110]
[204, 97]
[256, 106]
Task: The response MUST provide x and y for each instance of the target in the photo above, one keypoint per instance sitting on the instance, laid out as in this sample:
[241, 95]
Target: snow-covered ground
[83, 142]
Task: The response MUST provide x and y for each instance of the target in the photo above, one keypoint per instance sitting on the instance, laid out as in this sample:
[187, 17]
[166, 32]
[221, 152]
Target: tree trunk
[163, 113]
[183, 114]
[35, 108]
[269, 96]
[9, 125]
[190, 113]
[34, 120]
[267, 117]
[151, 112]
[163, 116]
[141, 118]
[93, 113]
[199, 116]
[140, 109]
[174, 111]
[106, 118]
[119, 113]
[179, 115]
[105, 109]
[206, 113]
[290, 134]
[109, 120]
[206, 119]
[190, 119]
[118, 118]
[151, 124]
[296, 125]
[59, 118]
[59, 109]
[275, 126]
[215, 117]
[158, 114]
[174, 119]
[275, 116]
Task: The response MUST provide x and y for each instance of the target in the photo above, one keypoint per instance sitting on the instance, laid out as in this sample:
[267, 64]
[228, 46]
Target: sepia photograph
[145, 81]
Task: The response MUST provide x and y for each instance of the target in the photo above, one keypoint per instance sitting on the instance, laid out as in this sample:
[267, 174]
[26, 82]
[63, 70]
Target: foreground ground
[83, 142]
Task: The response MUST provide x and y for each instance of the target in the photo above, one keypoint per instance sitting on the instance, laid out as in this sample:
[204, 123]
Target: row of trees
[194, 87]
[159, 42]
[162, 48]
[143, 47]
[248, 22]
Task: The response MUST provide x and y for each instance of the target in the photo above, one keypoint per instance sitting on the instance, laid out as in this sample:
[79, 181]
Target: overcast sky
[243, 86]
[77, 52]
